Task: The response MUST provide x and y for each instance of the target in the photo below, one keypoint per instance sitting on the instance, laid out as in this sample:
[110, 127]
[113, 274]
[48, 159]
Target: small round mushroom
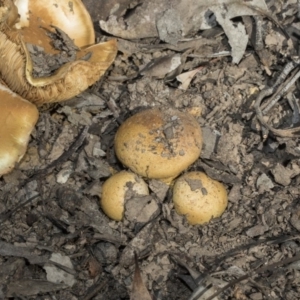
[18, 118]
[115, 190]
[159, 143]
[199, 197]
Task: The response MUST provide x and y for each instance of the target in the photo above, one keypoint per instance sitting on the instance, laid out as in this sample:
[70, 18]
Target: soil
[55, 241]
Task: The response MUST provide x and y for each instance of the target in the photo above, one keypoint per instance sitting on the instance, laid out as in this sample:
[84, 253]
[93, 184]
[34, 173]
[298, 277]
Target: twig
[94, 290]
[292, 132]
[256, 272]
[259, 44]
[6, 215]
[59, 161]
[266, 241]
[287, 86]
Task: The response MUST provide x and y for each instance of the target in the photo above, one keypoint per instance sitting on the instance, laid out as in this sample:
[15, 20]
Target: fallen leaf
[160, 67]
[173, 23]
[139, 290]
[57, 275]
[236, 34]
[186, 78]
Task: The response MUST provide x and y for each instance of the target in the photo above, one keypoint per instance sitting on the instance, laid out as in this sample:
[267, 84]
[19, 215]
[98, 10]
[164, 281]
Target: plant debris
[236, 71]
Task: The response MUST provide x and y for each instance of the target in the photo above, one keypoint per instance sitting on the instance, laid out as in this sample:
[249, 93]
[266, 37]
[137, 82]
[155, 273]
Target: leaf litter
[225, 58]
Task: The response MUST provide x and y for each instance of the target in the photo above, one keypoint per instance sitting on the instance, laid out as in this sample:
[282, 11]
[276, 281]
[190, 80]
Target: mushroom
[159, 143]
[115, 190]
[70, 16]
[18, 115]
[199, 197]
[18, 118]
[70, 79]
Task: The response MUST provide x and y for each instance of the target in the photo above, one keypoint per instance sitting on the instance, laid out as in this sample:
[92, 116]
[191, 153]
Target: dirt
[55, 241]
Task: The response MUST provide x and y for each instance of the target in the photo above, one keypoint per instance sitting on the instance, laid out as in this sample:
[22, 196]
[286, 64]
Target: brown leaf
[139, 290]
[94, 267]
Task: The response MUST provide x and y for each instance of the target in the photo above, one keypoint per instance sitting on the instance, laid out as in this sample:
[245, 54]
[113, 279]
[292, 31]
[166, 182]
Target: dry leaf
[186, 78]
[139, 290]
[200, 11]
[174, 21]
[160, 67]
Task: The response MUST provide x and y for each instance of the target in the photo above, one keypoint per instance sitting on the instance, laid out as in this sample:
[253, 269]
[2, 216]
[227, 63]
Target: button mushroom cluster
[161, 144]
[30, 22]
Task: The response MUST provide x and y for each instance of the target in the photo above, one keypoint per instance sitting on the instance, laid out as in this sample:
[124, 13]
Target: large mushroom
[71, 78]
[159, 143]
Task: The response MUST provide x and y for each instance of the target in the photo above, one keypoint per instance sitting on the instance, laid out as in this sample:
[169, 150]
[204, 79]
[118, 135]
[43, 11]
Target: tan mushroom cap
[70, 16]
[18, 118]
[199, 197]
[114, 193]
[158, 143]
[68, 81]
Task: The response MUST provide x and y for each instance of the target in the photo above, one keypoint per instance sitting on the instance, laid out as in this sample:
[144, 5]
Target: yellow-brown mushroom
[69, 16]
[69, 80]
[114, 192]
[199, 198]
[18, 118]
[159, 143]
